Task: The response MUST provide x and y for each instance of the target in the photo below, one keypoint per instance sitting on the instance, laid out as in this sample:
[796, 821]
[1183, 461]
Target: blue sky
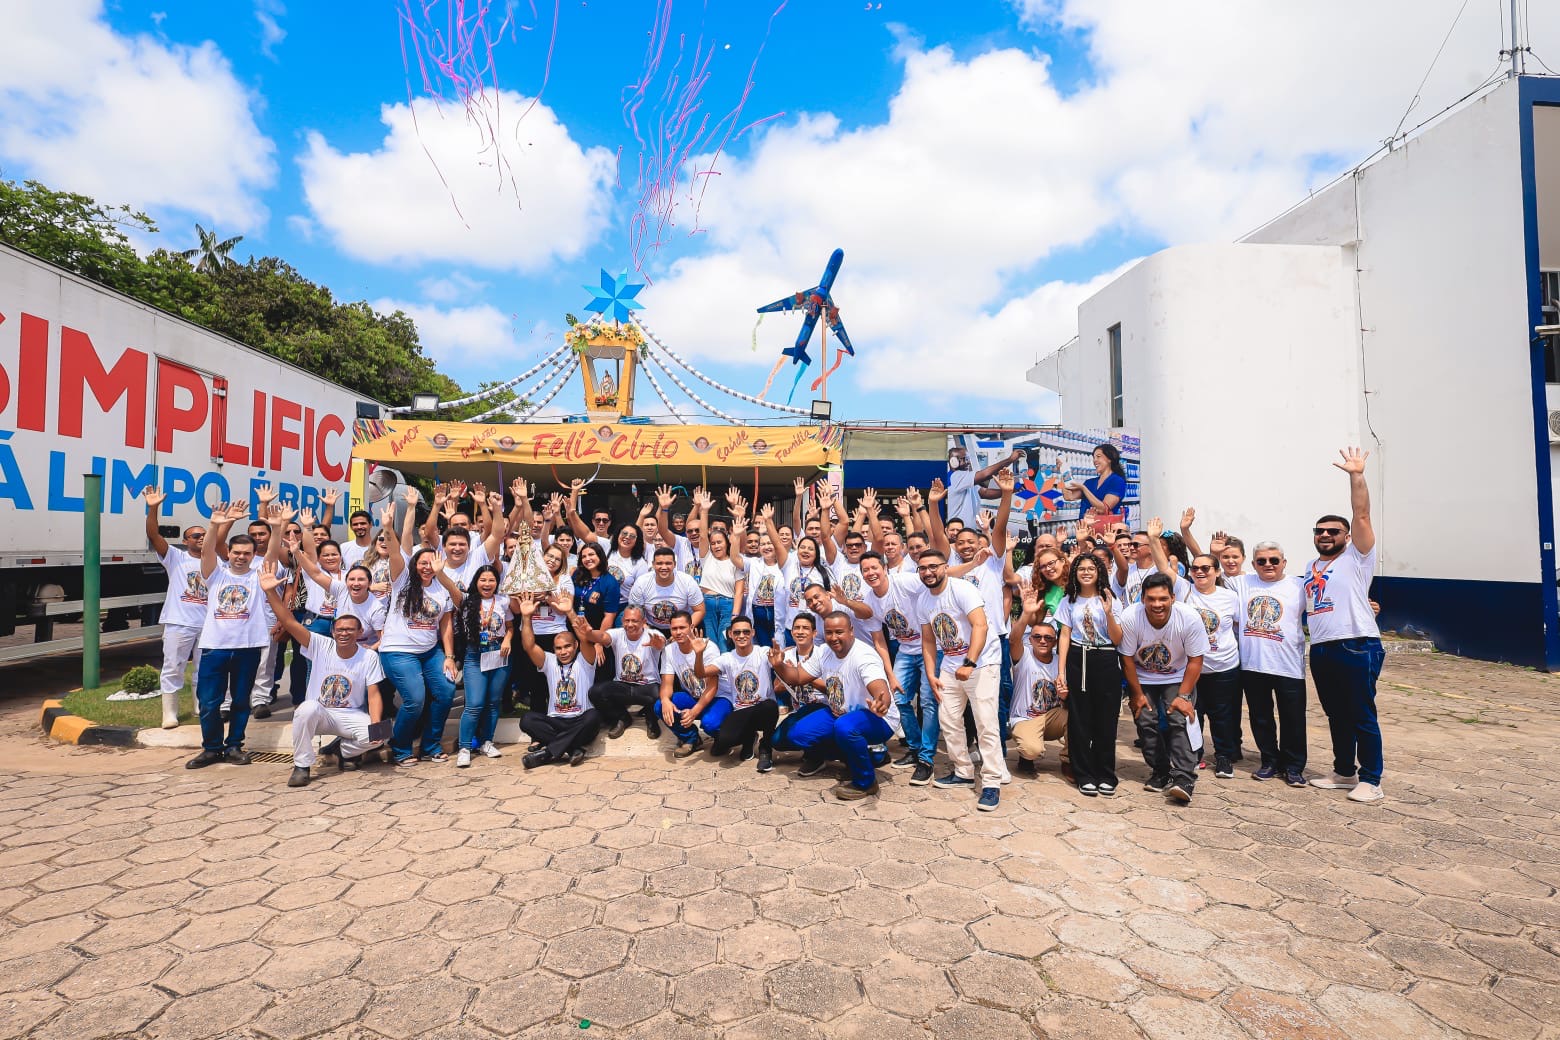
[984, 165]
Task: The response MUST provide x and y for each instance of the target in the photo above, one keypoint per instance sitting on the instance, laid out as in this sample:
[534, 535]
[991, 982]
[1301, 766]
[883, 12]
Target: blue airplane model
[814, 302]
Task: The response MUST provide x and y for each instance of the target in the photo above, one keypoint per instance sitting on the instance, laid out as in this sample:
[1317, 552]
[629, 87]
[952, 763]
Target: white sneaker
[1007, 778]
[1366, 793]
[1334, 782]
[463, 759]
[489, 750]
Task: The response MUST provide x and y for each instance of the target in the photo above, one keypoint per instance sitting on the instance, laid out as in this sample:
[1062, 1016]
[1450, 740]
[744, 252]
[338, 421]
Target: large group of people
[871, 635]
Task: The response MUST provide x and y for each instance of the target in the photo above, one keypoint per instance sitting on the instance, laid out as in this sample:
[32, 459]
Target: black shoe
[237, 757]
[576, 756]
[299, 778]
[1179, 794]
[1027, 766]
[261, 711]
[533, 759]
[1222, 769]
[652, 725]
[1138, 743]
[766, 762]
[922, 775]
[812, 766]
[616, 729]
[906, 761]
[1157, 784]
[204, 759]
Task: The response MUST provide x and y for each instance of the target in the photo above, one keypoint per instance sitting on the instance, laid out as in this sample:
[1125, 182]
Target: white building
[1396, 310]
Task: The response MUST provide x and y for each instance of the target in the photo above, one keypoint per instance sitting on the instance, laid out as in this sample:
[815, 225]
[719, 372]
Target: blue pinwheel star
[614, 297]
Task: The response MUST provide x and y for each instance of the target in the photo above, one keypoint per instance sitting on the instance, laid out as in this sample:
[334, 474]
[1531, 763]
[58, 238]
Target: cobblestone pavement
[695, 899]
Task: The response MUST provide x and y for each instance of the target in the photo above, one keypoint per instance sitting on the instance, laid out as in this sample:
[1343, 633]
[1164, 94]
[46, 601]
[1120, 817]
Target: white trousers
[980, 691]
[311, 720]
[262, 691]
[179, 643]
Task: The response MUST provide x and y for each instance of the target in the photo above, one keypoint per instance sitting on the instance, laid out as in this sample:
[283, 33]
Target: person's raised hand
[1155, 527]
[153, 498]
[331, 496]
[936, 493]
[1353, 460]
[1006, 481]
[1188, 518]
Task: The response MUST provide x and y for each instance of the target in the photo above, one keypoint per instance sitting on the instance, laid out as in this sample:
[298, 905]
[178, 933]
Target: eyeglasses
[742, 631]
[1334, 531]
[930, 566]
[1268, 561]
[1200, 568]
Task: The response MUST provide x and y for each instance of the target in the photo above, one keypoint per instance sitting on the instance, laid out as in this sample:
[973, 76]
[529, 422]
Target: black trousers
[525, 679]
[561, 735]
[1218, 698]
[744, 724]
[1093, 706]
[1282, 746]
[614, 699]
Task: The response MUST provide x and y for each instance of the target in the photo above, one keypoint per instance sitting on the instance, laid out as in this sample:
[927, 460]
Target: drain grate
[271, 757]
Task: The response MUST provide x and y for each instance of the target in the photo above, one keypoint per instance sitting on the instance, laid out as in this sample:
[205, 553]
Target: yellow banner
[607, 444]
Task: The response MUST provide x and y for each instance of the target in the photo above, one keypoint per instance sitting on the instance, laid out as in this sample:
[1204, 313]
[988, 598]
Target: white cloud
[474, 342]
[301, 226]
[129, 118]
[538, 198]
[454, 286]
[267, 13]
[1187, 128]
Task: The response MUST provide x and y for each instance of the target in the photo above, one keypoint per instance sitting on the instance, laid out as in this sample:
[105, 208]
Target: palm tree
[213, 254]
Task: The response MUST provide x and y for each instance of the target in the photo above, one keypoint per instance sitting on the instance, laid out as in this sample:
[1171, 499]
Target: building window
[1550, 280]
[1117, 413]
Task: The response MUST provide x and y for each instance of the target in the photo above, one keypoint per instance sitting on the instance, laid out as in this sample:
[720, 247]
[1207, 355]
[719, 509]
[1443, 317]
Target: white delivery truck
[92, 381]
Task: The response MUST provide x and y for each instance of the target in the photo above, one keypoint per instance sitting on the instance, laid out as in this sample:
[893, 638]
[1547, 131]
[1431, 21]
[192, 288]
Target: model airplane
[814, 302]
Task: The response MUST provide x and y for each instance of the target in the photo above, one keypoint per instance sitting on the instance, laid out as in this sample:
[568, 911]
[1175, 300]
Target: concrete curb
[59, 724]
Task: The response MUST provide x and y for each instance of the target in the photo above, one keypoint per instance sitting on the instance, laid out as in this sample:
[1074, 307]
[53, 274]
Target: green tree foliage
[264, 303]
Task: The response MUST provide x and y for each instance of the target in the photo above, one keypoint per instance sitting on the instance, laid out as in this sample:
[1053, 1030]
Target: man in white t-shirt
[1162, 647]
[684, 695]
[342, 698]
[952, 616]
[1346, 653]
[636, 656]
[892, 599]
[232, 636]
[965, 487]
[361, 523]
[1272, 663]
[861, 710]
[665, 591]
[570, 722]
[184, 604]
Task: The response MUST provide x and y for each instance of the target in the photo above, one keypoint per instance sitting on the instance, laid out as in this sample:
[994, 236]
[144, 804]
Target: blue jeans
[717, 618]
[1005, 690]
[418, 678]
[763, 626]
[822, 735]
[1345, 671]
[710, 720]
[920, 730]
[221, 671]
[483, 692]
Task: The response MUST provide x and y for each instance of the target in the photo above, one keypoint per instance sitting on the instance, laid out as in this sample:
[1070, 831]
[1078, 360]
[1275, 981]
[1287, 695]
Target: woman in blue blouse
[1102, 493]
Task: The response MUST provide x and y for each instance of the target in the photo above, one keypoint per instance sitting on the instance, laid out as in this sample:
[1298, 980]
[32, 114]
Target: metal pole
[91, 578]
[823, 357]
[1518, 64]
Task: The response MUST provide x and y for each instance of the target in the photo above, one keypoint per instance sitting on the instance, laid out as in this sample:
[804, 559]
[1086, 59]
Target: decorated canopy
[675, 454]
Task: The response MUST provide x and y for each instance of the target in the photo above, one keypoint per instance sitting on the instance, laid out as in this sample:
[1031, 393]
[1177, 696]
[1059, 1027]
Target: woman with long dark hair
[483, 641]
[1089, 675]
[627, 561]
[1102, 494]
[722, 579]
[417, 650]
[802, 566]
[1219, 685]
[597, 595]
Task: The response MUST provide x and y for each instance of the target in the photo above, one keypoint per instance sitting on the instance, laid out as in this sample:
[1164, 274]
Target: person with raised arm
[1089, 674]
[1346, 652]
[745, 686]
[766, 575]
[685, 695]
[417, 649]
[1219, 686]
[184, 604]
[323, 577]
[484, 633]
[342, 698]
[722, 580]
[892, 598]
[1039, 711]
[232, 638]
[689, 546]
[636, 656]
[570, 723]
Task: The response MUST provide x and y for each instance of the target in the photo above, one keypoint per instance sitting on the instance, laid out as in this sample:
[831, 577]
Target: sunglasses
[1198, 568]
[1268, 561]
[1334, 531]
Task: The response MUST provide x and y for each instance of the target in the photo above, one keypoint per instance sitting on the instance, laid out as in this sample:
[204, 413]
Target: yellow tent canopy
[640, 452]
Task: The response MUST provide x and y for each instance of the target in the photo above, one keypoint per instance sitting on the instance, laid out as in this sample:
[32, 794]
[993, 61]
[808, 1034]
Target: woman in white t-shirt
[417, 649]
[628, 560]
[722, 579]
[1089, 675]
[483, 636]
[1218, 687]
[764, 579]
[356, 598]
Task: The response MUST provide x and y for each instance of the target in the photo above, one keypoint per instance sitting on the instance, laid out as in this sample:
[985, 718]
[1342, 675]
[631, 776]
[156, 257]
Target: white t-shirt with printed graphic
[948, 615]
[568, 688]
[845, 679]
[627, 571]
[415, 634]
[1086, 618]
[987, 577]
[636, 662]
[1271, 639]
[661, 602]
[340, 682]
[1220, 611]
[1034, 687]
[235, 615]
[1161, 654]
[847, 577]
[764, 581]
[352, 554]
[789, 601]
[804, 694]
[318, 600]
[370, 614]
[895, 611]
[493, 620]
[185, 602]
[549, 621]
[745, 681]
[679, 665]
[1337, 596]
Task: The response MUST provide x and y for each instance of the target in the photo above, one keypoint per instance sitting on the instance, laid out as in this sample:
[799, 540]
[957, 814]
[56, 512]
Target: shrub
[141, 679]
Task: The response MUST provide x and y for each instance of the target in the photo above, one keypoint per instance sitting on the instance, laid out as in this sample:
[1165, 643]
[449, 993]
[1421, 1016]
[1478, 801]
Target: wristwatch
[968, 663]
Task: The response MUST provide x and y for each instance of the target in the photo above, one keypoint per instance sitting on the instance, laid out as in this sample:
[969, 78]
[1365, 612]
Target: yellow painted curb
[46, 706]
[69, 728]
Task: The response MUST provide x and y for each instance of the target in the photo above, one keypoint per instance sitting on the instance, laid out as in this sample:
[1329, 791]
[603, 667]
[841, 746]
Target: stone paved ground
[690, 899]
